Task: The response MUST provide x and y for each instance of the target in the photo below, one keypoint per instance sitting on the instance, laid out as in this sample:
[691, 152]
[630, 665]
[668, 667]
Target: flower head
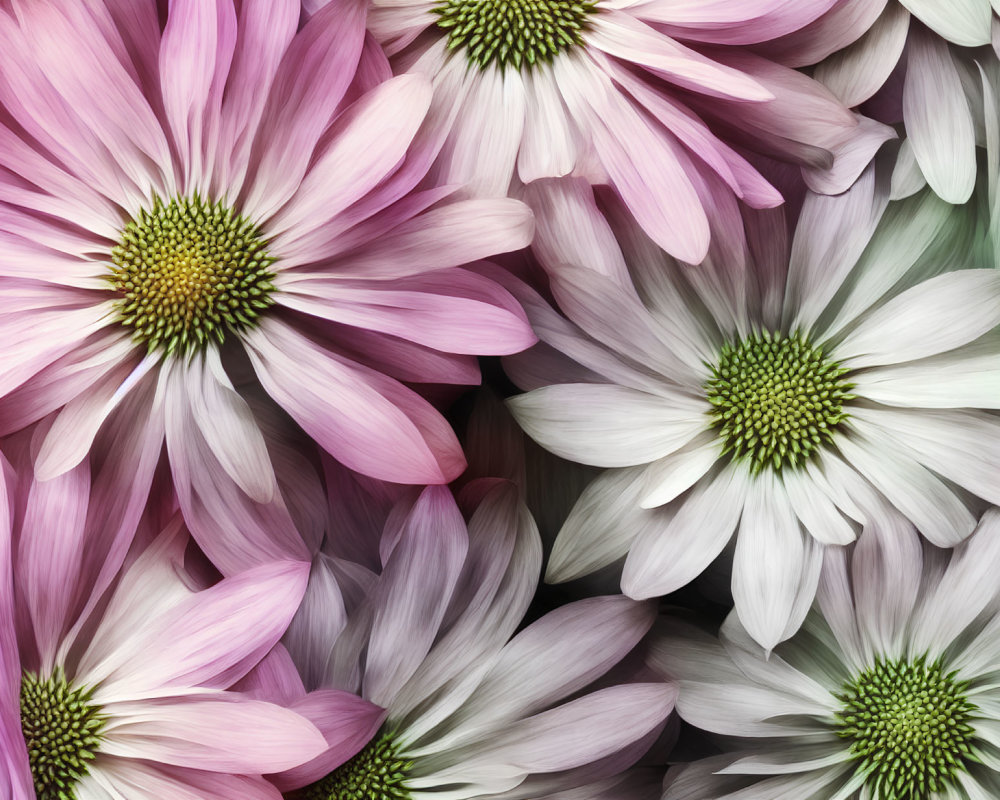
[123, 681]
[463, 704]
[887, 692]
[781, 393]
[189, 203]
[658, 99]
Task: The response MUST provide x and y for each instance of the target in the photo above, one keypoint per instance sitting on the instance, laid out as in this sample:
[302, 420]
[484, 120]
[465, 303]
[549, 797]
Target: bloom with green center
[649, 97]
[188, 271]
[186, 241]
[887, 692]
[784, 399]
[470, 707]
[116, 679]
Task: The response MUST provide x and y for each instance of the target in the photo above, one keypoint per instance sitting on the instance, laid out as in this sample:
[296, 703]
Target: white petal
[602, 525]
[926, 500]
[831, 235]
[938, 119]
[769, 561]
[608, 426]
[964, 22]
[664, 559]
[855, 73]
[937, 315]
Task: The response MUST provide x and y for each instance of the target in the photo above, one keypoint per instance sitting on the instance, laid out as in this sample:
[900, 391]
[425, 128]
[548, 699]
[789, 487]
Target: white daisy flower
[888, 692]
[781, 393]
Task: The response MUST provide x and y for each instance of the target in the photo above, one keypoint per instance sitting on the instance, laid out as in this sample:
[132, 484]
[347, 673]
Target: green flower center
[187, 271]
[62, 730]
[909, 728]
[376, 773]
[776, 399]
[518, 32]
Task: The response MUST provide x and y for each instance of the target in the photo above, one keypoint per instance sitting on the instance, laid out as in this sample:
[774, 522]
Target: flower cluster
[448, 399]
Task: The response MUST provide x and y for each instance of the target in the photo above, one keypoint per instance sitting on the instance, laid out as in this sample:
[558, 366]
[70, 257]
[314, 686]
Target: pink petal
[195, 55]
[367, 421]
[15, 773]
[310, 83]
[447, 236]
[347, 721]
[51, 544]
[627, 38]
[497, 584]
[265, 29]
[235, 530]
[209, 639]
[353, 164]
[451, 310]
[645, 166]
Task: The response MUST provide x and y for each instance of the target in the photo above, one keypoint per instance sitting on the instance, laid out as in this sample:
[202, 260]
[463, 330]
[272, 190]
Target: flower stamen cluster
[908, 723]
[376, 773]
[189, 270]
[62, 730]
[776, 399]
[513, 32]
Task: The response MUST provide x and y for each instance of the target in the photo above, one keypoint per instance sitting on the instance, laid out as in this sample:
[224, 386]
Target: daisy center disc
[908, 724]
[187, 271]
[775, 399]
[62, 730]
[513, 32]
[376, 773]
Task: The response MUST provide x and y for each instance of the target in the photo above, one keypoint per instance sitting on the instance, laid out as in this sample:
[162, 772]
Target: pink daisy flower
[662, 100]
[114, 682]
[467, 707]
[229, 191]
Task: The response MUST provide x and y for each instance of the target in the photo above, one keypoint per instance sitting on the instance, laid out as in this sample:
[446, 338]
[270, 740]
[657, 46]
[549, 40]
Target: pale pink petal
[550, 660]
[127, 777]
[264, 31]
[497, 585]
[577, 733]
[368, 422]
[220, 732]
[447, 236]
[433, 540]
[645, 166]
[571, 229]
[857, 72]
[235, 530]
[729, 21]
[481, 149]
[623, 36]
[78, 422]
